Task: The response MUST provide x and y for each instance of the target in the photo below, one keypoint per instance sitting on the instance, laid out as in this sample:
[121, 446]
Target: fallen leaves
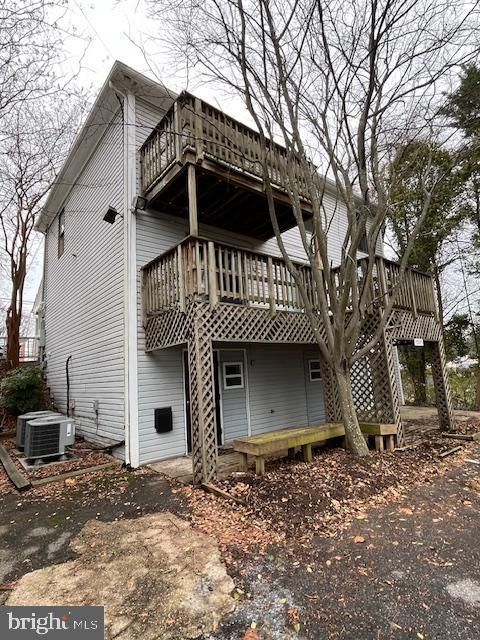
[229, 523]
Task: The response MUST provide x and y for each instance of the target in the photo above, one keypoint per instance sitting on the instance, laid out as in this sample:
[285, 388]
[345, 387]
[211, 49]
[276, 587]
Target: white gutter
[132, 457]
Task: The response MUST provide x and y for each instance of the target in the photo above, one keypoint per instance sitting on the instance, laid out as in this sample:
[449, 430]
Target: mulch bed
[427, 431]
[294, 502]
[85, 456]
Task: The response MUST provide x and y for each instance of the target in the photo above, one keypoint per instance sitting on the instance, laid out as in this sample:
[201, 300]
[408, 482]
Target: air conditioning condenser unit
[48, 437]
[22, 421]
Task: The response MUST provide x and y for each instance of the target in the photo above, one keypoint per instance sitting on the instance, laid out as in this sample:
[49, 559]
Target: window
[233, 375]
[61, 232]
[315, 370]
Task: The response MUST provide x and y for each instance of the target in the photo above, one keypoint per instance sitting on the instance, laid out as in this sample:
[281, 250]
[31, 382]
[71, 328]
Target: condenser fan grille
[44, 440]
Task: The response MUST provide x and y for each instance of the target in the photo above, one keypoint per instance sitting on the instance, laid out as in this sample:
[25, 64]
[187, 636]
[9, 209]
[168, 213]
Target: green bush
[23, 389]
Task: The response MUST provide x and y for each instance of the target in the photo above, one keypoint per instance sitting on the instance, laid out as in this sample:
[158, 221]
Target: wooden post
[192, 200]
[202, 404]
[307, 452]
[412, 293]
[382, 280]
[271, 289]
[259, 465]
[212, 276]
[243, 463]
[434, 299]
[198, 130]
[379, 443]
[181, 279]
[443, 394]
[390, 440]
[177, 125]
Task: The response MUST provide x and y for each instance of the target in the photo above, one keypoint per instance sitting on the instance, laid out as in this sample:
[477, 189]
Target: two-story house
[171, 323]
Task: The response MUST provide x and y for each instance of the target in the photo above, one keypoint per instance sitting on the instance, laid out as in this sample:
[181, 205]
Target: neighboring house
[180, 326]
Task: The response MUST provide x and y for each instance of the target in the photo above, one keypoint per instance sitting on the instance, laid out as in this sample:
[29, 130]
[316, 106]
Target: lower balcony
[202, 270]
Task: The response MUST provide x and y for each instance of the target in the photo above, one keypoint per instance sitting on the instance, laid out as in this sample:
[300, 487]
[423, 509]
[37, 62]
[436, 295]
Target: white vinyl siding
[314, 391]
[84, 312]
[160, 374]
[276, 387]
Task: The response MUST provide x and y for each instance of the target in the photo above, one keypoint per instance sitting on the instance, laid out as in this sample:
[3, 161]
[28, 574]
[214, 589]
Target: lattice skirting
[228, 322]
[373, 377]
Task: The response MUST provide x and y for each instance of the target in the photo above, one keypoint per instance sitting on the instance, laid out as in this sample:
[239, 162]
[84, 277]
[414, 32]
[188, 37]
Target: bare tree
[39, 106]
[30, 47]
[39, 135]
[340, 85]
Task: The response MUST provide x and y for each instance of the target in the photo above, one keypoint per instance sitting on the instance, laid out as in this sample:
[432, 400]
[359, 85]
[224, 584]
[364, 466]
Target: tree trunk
[13, 338]
[354, 437]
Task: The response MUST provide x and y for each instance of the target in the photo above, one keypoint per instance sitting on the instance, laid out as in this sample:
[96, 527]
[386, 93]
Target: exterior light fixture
[139, 203]
[111, 214]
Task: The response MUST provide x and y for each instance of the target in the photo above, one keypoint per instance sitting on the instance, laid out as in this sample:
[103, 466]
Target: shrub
[23, 389]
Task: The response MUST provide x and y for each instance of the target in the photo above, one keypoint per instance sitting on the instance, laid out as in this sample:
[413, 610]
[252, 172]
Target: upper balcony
[200, 269]
[227, 183]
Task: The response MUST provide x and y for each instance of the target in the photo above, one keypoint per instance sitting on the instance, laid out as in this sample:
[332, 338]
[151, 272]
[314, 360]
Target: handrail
[193, 124]
[218, 272]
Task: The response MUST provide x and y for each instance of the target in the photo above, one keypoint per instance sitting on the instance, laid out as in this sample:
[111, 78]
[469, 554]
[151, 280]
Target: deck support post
[332, 403]
[384, 385]
[374, 381]
[202, 403]
[192, 201]
[443, 394]
[386, 344]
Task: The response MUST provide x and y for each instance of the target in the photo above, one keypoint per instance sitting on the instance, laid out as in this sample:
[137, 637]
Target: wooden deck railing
[193, 125]
[202, 269]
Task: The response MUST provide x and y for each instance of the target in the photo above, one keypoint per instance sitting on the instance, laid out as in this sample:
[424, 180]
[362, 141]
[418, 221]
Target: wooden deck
[217, 272]
[193, 126]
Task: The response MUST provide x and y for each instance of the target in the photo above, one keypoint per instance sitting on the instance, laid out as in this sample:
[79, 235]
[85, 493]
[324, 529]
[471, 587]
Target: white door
[233, 393]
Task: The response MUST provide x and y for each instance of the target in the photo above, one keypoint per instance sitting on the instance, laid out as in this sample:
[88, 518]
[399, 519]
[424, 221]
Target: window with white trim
[314, 370]
[233, 375]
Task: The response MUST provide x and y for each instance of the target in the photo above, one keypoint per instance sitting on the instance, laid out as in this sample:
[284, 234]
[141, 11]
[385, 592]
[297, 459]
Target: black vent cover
[163, 420]
[44, 440]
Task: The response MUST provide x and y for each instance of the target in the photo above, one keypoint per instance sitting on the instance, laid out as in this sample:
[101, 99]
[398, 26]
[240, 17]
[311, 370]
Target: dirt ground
[385, 547]
[159, 576]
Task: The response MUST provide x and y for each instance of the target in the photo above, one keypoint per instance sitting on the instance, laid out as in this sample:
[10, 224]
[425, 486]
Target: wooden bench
[287, 439]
